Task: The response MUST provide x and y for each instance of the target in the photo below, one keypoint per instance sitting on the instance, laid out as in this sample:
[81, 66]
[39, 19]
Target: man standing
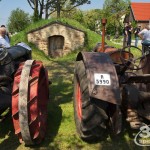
[145, 36]
[136, 32]
[6, 32]
[145, 33]
[125, 35]
[129, 33]
[4, 40]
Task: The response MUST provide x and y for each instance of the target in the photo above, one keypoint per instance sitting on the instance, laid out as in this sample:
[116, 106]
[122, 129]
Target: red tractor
[24, 90]
[110, 85]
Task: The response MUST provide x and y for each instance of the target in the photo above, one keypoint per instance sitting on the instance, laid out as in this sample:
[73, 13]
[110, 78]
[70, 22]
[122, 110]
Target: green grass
[61, 132]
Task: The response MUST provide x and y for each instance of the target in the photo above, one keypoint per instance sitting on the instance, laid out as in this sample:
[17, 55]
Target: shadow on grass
[10, 140]
[54, 120]
[123, 141]
[61, 90]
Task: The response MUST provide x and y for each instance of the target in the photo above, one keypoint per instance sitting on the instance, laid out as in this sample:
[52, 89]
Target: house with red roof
[140, 13]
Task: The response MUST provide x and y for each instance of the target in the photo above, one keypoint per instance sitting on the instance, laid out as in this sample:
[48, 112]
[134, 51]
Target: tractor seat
[18, 51]
[146, 43]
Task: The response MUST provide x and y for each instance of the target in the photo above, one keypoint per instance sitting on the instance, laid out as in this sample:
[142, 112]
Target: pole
[103, 21]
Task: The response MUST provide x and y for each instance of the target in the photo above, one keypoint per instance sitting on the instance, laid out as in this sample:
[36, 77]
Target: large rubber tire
[30, 115]
[90, 114]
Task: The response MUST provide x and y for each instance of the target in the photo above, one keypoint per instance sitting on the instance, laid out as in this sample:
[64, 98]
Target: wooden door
[56, 44]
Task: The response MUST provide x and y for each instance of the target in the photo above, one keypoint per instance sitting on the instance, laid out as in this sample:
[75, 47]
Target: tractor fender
[101, 73]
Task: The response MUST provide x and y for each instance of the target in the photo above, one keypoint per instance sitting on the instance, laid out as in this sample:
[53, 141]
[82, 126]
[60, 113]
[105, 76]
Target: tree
[75, 14]
[113, 10]
[34, 4]
[62, 5]
[50, 6]
[91, 17]
[18, 21]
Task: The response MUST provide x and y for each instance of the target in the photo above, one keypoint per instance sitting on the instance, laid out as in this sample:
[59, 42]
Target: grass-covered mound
[91, 37]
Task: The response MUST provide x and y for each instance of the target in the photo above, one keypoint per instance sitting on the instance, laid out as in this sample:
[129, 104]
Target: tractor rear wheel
[90, 114]
[29, 102]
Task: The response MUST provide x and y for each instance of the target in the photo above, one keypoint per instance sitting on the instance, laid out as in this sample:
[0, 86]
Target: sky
[6, 6]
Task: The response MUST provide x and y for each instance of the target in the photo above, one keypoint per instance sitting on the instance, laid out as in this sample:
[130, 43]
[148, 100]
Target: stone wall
[73, 38]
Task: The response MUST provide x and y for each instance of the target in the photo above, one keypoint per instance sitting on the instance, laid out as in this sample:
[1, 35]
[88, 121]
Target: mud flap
[103, 83]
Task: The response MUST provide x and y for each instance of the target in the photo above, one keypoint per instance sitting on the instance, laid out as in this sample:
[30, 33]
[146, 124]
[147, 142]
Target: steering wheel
[3, 53]
[133, 62]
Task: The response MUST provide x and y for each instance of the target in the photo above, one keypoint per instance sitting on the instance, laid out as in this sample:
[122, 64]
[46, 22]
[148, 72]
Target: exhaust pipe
[103, 21]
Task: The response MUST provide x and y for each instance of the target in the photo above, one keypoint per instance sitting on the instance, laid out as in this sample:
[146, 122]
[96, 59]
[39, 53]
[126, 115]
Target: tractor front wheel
[90, 114]
[29, 102]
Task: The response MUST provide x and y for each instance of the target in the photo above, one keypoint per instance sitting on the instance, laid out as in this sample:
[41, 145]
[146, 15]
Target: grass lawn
[61, 131]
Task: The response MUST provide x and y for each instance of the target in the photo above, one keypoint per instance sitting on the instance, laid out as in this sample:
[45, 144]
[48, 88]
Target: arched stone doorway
[56, 44]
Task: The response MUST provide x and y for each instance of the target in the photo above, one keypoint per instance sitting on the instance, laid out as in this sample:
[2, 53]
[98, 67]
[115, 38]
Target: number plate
[102, 79]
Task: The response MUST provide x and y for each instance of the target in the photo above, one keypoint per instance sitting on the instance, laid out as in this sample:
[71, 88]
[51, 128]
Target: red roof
[141, 11]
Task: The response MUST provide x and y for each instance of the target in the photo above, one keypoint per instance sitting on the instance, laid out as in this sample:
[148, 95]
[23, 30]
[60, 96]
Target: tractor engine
[10, 59]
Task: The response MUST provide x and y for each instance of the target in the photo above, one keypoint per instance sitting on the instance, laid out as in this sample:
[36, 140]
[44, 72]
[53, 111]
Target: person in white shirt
[7, 33]
[4, 40]
[145, 34]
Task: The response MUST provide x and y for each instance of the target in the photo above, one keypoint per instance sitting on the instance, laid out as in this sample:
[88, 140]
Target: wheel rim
[36, 105]
[79, 101]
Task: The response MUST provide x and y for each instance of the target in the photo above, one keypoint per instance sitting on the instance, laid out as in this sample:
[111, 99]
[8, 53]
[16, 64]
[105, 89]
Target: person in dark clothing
[125, 35]
[136, 32]
[129, 33]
